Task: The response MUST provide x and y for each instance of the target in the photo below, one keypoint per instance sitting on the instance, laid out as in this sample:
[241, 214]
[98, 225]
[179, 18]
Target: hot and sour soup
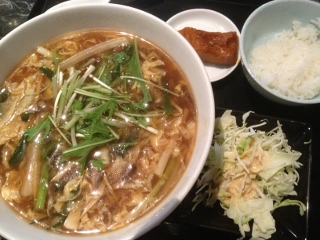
[96, 127]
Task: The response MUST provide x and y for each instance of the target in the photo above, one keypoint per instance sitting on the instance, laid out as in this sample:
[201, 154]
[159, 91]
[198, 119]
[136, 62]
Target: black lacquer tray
[289, 223]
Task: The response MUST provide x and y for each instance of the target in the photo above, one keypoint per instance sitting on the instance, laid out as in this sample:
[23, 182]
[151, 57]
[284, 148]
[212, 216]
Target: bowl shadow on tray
[289, 223]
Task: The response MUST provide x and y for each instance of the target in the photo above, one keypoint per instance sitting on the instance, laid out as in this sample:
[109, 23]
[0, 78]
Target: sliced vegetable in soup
[92, 126]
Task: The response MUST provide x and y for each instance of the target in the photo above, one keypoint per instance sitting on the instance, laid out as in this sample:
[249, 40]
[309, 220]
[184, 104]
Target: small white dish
[211, 21]
[75, 2]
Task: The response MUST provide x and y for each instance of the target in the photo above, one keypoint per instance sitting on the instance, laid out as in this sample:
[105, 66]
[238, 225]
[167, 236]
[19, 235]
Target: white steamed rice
[290, 62]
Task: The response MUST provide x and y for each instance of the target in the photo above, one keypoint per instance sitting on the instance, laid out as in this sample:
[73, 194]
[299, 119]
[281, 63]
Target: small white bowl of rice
[280, 47]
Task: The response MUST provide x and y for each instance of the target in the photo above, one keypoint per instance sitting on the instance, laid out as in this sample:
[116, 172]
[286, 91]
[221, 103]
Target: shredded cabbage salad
[250, 172]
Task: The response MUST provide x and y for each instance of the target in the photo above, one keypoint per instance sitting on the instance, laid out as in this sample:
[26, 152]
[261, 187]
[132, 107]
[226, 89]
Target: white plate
[75, 2]
[211, 21]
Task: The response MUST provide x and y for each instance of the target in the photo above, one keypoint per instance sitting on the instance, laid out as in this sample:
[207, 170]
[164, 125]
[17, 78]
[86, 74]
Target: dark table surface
[232, 92]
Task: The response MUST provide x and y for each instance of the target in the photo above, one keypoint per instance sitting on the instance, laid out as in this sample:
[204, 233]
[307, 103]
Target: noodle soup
[96, 128]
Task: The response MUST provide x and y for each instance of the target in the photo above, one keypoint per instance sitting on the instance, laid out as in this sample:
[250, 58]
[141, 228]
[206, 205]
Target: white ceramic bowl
[21, 41]
[261, 25]
[76, 2]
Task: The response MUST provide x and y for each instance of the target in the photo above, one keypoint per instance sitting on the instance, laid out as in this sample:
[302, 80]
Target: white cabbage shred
[250, 172]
